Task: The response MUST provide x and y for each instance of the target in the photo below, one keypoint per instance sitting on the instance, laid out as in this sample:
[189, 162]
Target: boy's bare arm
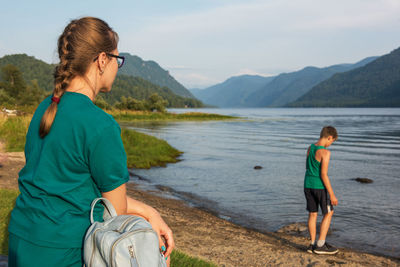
[324, 176]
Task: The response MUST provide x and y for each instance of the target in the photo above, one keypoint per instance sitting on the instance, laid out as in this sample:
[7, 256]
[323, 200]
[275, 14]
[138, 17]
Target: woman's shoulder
[98, 118]
[81, 108]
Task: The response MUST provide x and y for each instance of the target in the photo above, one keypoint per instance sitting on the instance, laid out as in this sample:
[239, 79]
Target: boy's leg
[312, 225]
[326, 222]
[312, 207]
[327, 209]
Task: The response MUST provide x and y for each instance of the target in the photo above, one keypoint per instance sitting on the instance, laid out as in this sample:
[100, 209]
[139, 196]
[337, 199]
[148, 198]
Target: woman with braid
[74, 153]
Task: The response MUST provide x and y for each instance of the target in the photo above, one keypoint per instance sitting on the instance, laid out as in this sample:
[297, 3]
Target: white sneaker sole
[326, 252]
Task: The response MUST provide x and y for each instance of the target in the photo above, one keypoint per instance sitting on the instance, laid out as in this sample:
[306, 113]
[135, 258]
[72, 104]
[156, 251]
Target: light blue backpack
[120, 241]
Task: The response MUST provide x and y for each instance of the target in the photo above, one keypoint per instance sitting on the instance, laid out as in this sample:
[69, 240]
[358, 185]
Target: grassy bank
[143, 151]
[179, 259]
[7, 202]
[127, 115]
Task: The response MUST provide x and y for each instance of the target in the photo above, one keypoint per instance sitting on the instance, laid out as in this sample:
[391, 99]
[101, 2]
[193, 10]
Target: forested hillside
[277, 91]
[152, 72]
[140, 89]
[377, 84]
[288, 87]
[32, 69]
[38, 75]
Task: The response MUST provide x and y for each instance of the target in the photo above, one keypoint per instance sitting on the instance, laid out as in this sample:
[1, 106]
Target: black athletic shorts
[318, 197]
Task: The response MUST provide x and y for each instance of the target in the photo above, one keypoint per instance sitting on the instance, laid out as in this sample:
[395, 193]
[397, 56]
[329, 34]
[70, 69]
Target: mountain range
[376, 84]
[137, 78]
[257, 91]
[371, 82]
[233, 92]
[152, 72]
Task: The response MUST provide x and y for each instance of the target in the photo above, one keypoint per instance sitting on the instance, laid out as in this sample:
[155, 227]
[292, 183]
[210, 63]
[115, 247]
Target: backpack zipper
[126, 235]
[125, 223]
[131, 252]
[134, 262]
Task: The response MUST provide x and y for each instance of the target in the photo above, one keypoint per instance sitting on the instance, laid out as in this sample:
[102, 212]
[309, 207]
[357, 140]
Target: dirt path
[204, 235]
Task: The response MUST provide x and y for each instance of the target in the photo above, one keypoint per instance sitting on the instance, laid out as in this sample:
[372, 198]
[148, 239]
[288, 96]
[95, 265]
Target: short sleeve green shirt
[81, 157]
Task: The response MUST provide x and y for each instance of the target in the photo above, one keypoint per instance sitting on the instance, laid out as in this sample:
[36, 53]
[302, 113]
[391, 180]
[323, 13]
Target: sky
[204, 42]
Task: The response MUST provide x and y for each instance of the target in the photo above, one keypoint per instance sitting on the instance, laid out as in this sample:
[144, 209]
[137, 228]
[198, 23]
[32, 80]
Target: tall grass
[7, 202]
[13, 131]
[128, 115]
[145, 151]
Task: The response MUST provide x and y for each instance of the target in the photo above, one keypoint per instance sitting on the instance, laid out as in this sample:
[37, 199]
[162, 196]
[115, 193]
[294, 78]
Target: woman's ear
[101, 61]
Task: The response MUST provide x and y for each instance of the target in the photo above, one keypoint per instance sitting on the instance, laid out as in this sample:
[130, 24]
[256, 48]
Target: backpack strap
[109, 210]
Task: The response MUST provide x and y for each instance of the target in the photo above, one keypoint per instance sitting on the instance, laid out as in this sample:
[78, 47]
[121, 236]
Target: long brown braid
[82, 40]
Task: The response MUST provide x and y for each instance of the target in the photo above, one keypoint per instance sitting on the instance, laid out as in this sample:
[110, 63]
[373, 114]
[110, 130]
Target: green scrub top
[81, 157]
[312, 177]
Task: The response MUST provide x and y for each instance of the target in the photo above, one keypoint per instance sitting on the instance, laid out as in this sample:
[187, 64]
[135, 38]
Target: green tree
[13, 82]
[130, 103]
[32, 96]
[101, 103]
[156, 102]
[6, 100]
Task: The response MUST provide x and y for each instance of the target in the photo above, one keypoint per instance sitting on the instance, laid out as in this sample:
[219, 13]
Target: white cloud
[194, 80]
[272, 17]
[355, 14]
[269, 35]
[252, 72]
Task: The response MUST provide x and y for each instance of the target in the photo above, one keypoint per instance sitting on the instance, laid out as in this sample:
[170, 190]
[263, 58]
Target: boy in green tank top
[318, 190]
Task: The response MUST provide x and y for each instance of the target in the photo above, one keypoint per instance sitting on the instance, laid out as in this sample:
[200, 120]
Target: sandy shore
[199, 233]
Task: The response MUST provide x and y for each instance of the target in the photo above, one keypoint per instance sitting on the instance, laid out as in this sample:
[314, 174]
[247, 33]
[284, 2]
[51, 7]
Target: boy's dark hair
[329, 131]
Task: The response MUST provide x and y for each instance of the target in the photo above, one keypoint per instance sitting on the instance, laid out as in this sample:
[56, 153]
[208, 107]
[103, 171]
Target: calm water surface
[217, 171]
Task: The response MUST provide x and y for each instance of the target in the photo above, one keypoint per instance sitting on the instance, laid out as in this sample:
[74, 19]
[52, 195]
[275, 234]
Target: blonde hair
[82, 40]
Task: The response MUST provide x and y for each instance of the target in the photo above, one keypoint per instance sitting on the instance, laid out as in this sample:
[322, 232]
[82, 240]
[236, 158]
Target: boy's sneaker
[311, 248]
[326, 249]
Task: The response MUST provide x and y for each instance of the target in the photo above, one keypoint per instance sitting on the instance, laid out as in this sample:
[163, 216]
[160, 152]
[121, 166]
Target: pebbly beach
[200, 233]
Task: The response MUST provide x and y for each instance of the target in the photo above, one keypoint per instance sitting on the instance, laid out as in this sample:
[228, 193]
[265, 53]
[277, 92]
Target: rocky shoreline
[204, 235]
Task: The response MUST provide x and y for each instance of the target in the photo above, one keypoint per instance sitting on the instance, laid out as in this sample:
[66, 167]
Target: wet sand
[201, 234]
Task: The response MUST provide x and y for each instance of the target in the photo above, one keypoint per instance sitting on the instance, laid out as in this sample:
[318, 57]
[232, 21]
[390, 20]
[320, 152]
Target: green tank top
[312, 178]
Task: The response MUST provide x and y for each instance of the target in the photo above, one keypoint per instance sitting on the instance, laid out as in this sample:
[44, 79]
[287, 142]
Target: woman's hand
[164, 233]
[166, 240]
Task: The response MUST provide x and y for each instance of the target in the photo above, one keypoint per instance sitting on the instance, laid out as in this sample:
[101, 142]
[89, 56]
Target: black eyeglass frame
[112, 55]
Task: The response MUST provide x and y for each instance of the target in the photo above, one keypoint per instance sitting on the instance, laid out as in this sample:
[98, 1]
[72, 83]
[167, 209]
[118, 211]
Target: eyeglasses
[120, 59]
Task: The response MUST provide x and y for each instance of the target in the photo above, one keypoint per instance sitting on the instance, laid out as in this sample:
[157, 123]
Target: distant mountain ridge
[124, 85]
[232, 92]
[376, 84]
[139, 88]
[276, 91]
[152, 72]
[287, 87]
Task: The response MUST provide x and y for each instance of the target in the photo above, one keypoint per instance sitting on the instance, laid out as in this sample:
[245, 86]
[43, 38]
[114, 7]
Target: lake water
[217, 169]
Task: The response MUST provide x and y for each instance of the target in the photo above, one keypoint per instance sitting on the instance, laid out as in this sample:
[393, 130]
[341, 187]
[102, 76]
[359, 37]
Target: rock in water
[257, 167]
[364, 180]
[293, 228]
